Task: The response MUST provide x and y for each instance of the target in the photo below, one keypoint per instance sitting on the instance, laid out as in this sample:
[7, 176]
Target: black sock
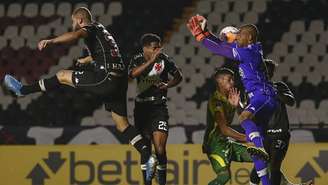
[139, 143]
[161, 168]
[275, 177]
[29, 89]
[254, 178]
[144, 177]
[41, 85]
[143, 165]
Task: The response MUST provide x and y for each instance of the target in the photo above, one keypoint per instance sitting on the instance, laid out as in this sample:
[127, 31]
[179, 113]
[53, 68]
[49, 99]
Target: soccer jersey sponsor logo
[274, 131]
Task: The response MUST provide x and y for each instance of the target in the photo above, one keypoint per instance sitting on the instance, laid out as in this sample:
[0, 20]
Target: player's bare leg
[159, 140]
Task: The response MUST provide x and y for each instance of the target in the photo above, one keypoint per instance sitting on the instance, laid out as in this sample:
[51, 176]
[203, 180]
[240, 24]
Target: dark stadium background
[293, 32]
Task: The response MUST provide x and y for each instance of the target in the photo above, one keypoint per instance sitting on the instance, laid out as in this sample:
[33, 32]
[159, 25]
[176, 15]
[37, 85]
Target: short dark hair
[83, 13]
[148, 38]
[223, 71]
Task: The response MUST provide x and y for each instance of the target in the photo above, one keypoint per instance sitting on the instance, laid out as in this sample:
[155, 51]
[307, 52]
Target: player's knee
[121, 126]
[62, 76]
[223, 176]
[121, 122]
[160, 150]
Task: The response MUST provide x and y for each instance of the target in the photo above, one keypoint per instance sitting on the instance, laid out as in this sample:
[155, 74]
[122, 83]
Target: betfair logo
[309, 170]
[38, 175]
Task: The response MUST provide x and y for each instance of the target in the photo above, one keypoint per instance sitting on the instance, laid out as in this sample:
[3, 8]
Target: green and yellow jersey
[217, 102]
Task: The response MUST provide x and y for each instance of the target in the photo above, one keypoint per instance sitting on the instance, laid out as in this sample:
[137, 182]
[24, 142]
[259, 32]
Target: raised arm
[218, 47]
[64, 38]
[136, 71]
[197, 27]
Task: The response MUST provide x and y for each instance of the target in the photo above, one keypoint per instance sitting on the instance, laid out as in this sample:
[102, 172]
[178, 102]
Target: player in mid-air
[276, 133]
[152, 69]
[248, 52]
[107, 80]
[221, 108]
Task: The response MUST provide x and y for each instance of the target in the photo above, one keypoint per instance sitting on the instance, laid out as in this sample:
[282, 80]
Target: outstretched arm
[64, 38]
[210, 41]
[218, 47]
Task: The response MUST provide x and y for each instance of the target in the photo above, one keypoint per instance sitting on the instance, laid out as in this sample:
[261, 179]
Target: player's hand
[79, 63]
[197, 27]
[155, 54]
[43, 44]
[162, 86]
[234, 97]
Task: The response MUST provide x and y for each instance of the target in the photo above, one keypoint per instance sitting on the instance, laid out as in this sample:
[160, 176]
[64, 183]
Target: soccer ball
[228, 34]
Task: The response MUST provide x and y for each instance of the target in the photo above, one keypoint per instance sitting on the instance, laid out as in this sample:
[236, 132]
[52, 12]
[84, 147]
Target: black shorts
[112, 89]
[277, 145]
[150, 117]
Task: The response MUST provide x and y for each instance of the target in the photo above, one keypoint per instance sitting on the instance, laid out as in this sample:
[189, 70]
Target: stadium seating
[298, 43]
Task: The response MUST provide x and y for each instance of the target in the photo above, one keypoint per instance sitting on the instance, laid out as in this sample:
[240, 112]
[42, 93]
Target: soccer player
[107, 80]
[152, 68]
[220, 112]
[248, 52]
[277, 135]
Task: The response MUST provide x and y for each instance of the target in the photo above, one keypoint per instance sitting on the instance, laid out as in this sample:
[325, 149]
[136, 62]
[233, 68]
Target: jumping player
[248, 52]
[152, 68]
[220, 112]
[107, 80]
[277, 134]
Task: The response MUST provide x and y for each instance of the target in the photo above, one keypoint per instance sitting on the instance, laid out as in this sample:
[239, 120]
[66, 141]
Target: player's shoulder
[98, 25]
[92, 27]
[217, 96]
[281, 86]
[256, 47]
[217, 101]
[137, 56]
[164, 56]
